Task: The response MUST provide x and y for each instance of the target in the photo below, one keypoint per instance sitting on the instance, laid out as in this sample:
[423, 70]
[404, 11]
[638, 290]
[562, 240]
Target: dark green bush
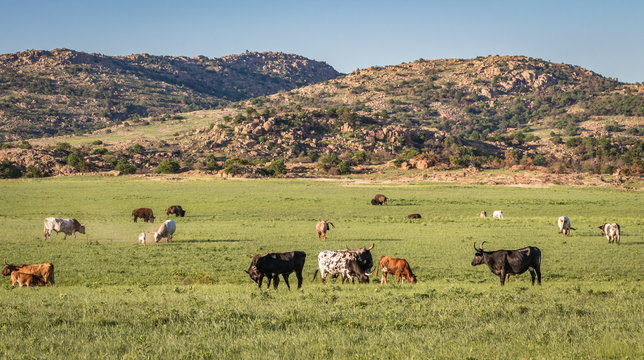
[167, 167]
[8, 170]
[125, 167]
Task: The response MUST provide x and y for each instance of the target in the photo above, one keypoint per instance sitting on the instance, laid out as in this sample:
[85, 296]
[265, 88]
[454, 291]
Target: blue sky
[604, 36]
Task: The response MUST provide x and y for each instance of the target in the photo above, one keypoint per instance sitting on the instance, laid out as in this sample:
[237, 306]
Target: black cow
[413, 216]
[176, 210]
[507, 262]
[273, 264]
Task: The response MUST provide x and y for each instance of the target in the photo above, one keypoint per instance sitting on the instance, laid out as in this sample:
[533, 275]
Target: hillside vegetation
[64, 91]
[484, 113]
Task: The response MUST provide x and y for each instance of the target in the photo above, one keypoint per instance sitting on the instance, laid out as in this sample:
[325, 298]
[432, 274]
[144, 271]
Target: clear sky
[604, 36]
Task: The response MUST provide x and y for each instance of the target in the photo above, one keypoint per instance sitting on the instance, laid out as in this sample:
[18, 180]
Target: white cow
[497, 214]
[67, 226]
[165, 231]
[564, 225]
[611, 231]
[142, 237]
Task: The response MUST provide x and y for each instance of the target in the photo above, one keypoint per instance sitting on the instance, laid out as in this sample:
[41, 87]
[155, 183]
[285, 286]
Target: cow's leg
[169, 237]
[261, 278]
[299, 278]
[285, 276]
[74, 233]
[502, 277]
[532, 274]
[397, 278]
[276, 281]
[322, 276]
[134, 218]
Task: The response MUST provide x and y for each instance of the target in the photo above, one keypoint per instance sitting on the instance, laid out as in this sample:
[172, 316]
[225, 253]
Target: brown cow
[413, 216]
[395, 266]
[176, 210]
[144, 213]
[45, 271]
[24, 279]
[379, 199]
[322, 227]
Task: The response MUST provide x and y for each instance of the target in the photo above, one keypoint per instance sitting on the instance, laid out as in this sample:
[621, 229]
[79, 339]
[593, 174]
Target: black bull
[506, 262]
[273, 264]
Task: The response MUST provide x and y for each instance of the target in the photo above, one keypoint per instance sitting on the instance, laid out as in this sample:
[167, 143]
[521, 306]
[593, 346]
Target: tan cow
[322, 227]
[45, 271]
[24, 279]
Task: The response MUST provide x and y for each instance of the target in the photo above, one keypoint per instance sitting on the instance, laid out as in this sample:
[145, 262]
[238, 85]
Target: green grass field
[192, 299]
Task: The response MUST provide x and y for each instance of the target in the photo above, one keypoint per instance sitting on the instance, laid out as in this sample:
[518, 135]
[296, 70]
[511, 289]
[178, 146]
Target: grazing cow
[506, 262]
[67, 226]
[322, 227]
[497, 214]
[612, 232]
[45, 271]
[144, 213]
[142, 237]
[24, 279]
[379, 199]
[350, 264]
[564, 225]
[176, 210]
[166, 230]
[483, 214]
[395, 266]
[273, 264]
[413, 216]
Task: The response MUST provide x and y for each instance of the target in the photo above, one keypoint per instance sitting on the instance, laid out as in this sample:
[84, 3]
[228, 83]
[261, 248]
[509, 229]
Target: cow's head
[253, 271]
[81, 229]
[478, 257]
[157, 237]
[374, 202]
[183, 213]
[602, 227]
[364, 256]
[7, 268]
[152, 219]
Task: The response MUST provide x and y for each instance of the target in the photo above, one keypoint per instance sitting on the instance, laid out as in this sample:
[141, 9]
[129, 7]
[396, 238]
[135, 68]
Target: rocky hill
[65, 91]
[484, 113]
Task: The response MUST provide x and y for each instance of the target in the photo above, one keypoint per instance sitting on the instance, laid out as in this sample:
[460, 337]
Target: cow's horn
[5, 261]
[482, 245]
[475, 249]
[370, 247]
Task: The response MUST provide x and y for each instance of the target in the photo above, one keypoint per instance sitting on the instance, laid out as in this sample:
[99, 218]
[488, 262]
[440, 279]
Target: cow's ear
[246, 271]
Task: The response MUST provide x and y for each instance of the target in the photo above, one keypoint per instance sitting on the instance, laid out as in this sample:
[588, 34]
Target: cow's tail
[572, 228]
[51, 278]
[315, 274]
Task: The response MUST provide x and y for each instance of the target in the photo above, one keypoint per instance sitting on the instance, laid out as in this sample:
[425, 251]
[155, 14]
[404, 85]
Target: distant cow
[612, 232]
[506, 262]
[483, 214]
[379, 199]
[24, 279]
[166, 230]
[395, 266]
[144, 213]
[349, 264]
[67, 226]
[497, 214]
[45, 271]
[322, 227]
[142, 237]
[273, 264]
[176, 210]
[564, 225]
[413, 216]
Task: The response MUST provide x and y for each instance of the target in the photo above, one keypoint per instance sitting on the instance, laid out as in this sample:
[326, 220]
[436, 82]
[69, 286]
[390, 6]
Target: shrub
[210, 163]
[125, 167]
[344, 168]
[167, 167]
[360, 157]
[97, 142]
[326, 162]
[25, 145]
[100, 151]
[33, 172]
[76, 160]
[63, 146]
[135, 149]
[8, 170]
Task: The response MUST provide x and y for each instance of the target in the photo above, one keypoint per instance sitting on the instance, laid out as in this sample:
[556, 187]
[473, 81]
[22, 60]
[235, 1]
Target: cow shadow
[215, 241]
[369, 240]
[631, 243]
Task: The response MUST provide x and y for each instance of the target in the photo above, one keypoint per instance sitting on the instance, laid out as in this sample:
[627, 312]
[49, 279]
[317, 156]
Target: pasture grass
[192, 299]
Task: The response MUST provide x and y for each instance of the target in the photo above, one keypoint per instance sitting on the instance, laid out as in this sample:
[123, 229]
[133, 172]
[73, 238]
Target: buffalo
[144, 213]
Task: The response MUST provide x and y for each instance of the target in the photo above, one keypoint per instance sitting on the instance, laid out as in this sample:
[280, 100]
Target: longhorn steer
[350, 264]
[44, 271]
[322, 227]
[564, 225]
[273, 264]
[611, 231]
[505, 262]
[395, 266]
[66, 226]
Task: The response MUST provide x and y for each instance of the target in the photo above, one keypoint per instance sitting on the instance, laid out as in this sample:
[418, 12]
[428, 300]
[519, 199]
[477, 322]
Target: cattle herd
[345, 263]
